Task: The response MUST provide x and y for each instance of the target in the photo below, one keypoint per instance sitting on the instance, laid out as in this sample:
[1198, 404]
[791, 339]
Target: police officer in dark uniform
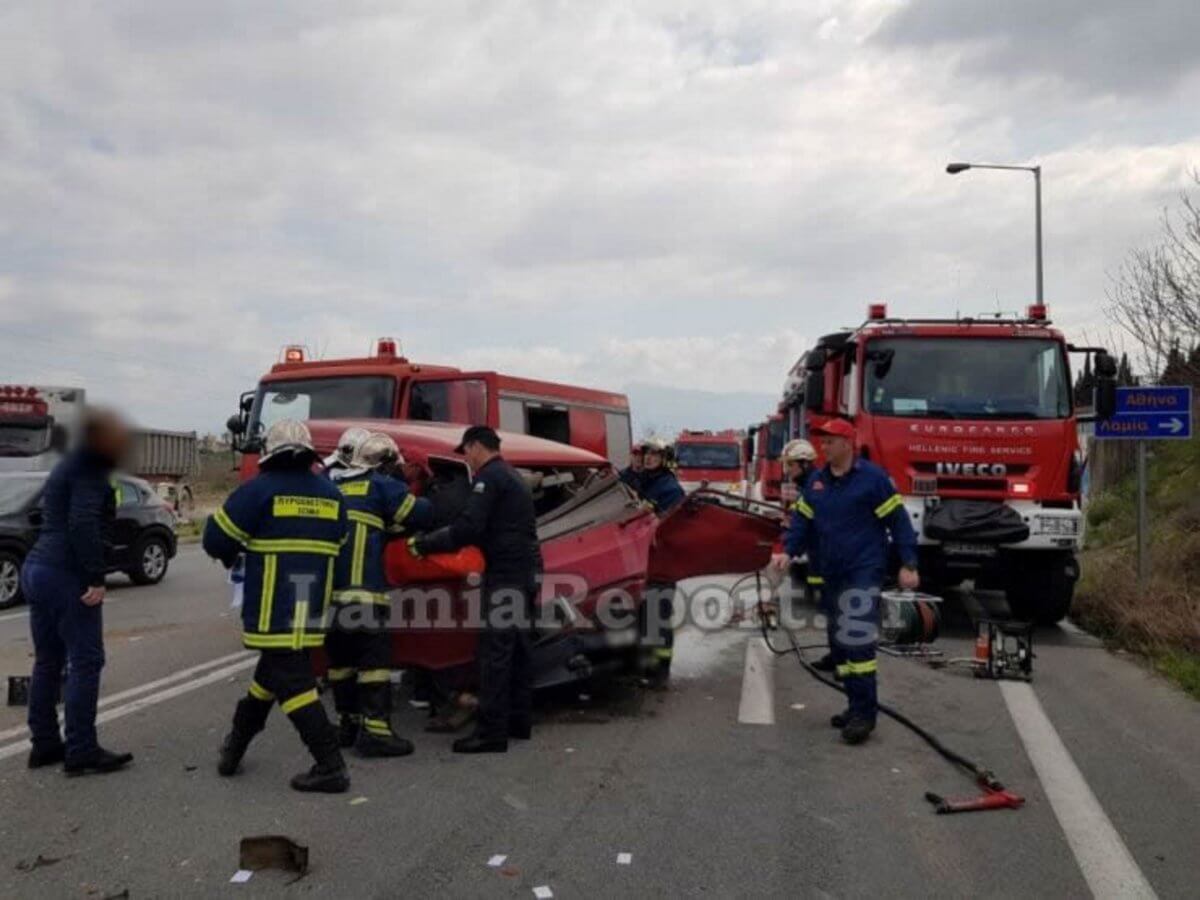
[499, 519]
[852, 506]
[359, 644]
[289, 523]
[659, 487]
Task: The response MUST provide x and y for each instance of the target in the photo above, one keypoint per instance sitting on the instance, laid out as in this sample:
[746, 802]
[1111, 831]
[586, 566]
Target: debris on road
[624, 859]
[358, 801]
[18, 690]
[543, 893]
[497, 861]
[39, 863]
[241, 876]
[272, 852]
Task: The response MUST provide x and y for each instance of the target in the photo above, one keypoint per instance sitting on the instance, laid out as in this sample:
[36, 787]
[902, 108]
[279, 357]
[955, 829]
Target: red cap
[837, 428]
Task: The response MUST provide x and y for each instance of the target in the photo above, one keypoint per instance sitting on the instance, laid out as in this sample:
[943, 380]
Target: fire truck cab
[388, 386]
[712, 460]
[974, 420]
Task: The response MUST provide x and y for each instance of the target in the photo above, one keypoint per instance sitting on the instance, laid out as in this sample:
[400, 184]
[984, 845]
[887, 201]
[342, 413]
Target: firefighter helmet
[348, 443]
[655, 444]
[287, 436]
[798, 450]
[377, 450]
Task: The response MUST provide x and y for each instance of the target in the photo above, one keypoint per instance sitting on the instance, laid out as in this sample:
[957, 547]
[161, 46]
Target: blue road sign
[1150, 414]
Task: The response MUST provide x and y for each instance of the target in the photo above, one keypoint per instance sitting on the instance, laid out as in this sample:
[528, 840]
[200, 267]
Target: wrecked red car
[601, 548]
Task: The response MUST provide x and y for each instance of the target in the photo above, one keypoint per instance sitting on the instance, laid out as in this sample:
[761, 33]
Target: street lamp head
[955, 168]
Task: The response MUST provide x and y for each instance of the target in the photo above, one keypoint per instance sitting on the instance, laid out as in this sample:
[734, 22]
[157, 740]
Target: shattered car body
[600, 545]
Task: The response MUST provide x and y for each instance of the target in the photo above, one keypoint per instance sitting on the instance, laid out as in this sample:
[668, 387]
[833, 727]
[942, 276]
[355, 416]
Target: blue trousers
[851, 600]
[66, 634]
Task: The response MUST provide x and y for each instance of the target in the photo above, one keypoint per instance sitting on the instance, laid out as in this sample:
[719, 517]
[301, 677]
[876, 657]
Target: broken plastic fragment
[241, 876]
[543, 893]
[624, 859]
[497, 861]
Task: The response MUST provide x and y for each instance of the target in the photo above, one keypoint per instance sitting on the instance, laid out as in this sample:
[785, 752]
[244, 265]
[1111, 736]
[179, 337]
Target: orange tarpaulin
[403, 568]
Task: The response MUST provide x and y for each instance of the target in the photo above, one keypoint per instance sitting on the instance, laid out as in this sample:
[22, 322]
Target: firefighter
[799, 462]
[289, 523]
[631, 475]
[358, 644]
[851, 507]
[500, 519]
[661, 489]
[343, 456]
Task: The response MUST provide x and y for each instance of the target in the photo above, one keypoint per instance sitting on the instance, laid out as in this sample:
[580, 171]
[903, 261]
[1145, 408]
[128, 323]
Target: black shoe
[520, 731]
[857, 730]
[232, 751]
[328, 778]
[475, 744]
[46, 756]
[839, 720]
[348, 729]
[375, 745]
[98, 762]
[825, 664]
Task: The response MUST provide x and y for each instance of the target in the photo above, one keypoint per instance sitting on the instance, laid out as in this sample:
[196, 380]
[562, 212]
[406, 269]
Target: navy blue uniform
[77, 512]
[289, 524]
[358, 642]
[501, 520]
[844, 522]
[661, 489]
[631, 477]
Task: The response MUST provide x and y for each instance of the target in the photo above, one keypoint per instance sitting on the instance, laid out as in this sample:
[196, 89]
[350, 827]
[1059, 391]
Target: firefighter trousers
[286, 677]
[359, 647]
[852, 600]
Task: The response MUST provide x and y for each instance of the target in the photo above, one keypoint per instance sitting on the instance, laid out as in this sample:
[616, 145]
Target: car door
[706, 535]
[127, 525]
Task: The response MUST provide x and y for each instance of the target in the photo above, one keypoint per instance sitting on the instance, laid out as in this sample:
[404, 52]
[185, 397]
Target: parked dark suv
[141, 543]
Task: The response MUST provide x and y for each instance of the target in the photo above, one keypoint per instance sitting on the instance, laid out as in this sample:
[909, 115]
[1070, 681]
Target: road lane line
[243, 658]
[757, 706]
[1107, 865]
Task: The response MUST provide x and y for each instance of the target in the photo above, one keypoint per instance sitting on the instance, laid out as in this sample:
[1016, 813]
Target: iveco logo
[973, 430]
[972, 470]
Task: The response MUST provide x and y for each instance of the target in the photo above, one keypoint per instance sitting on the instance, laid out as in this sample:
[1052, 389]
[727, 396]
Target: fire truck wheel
[1044, 591]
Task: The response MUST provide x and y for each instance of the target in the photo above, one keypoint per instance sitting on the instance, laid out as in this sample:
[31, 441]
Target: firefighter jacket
[376, 505]
[291, 526]
[660, 488]
[844, 522]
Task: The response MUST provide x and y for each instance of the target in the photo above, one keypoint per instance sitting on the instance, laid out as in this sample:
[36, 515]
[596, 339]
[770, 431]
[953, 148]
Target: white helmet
[375, 451]
[347, 444]
[287, 436]
[798, 450]
[655, 444]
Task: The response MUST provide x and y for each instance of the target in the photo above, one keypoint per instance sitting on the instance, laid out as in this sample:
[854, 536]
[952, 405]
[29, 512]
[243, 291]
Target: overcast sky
[678, 193]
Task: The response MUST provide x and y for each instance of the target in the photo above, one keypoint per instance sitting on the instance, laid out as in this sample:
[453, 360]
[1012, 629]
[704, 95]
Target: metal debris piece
[39, 863]
[272, 851]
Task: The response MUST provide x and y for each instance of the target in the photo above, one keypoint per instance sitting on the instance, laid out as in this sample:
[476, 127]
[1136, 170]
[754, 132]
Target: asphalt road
[730, 784]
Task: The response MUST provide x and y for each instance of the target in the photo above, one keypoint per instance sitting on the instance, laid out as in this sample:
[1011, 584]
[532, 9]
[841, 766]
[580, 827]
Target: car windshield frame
[707, 456]
[382, 406]
[912, 395]
[19, 491]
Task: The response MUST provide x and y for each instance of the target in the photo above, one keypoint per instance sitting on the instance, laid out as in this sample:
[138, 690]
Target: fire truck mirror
[814, 390]
[235, 424]
[1106, 386]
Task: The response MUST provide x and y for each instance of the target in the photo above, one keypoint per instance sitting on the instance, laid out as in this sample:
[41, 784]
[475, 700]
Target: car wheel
[10, 579]
[151, 557]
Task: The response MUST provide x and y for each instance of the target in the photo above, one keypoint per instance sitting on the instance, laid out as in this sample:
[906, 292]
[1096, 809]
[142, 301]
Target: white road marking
[757, 706]
[1107, 865]
[245, 660]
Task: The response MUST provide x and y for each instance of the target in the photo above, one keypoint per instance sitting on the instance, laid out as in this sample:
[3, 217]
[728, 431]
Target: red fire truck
[764, 443]
[713, 460]
[388, 386]
[974, 420]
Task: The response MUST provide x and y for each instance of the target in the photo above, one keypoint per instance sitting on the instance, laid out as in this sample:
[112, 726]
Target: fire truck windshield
[25, 438]
[355, 397]
[775, 439]
[967, 378]
[707, 456]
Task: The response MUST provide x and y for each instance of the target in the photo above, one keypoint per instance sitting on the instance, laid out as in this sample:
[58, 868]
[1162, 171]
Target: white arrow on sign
[1172, 425]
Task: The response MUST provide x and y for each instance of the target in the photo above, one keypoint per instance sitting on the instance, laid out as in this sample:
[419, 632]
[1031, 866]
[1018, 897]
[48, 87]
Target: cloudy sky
[676, 193]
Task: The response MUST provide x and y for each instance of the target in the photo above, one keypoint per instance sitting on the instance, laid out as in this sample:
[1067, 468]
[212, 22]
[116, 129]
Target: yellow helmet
[798, 450]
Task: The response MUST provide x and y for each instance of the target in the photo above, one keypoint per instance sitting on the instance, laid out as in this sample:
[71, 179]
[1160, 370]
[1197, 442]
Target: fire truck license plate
[951, 548]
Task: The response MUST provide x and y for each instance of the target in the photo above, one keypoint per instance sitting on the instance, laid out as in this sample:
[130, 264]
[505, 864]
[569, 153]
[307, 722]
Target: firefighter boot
[857, 730]
[345, 701]
[377, 738]
[349, 726]
[248, 720]
[329, 775]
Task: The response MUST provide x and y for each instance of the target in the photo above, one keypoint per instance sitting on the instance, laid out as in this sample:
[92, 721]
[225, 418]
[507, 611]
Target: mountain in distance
[666, 411]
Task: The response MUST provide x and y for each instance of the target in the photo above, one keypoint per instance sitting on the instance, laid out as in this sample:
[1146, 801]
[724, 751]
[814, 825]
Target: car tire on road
[10, 579]
[151, 557]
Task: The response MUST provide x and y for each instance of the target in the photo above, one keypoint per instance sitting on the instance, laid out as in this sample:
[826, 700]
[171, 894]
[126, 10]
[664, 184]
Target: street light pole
[955, 168]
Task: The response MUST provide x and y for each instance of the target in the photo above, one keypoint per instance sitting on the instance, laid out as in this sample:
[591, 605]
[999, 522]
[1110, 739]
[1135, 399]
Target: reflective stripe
[328, 586]
[359, 596]
[256, 641]
[374, 676]
[803, 508]
[851, 669]
[406, 507]
[283, 507]
[365, 518]
[299, 623]
[355, 488]
[299, 701]
[378, 727]
[258, 692]
[270, 565]
[226, 525]
[663, 653]
[359, 557]
[888, 506]
[293, 545]
[341, 674]
[815, 579]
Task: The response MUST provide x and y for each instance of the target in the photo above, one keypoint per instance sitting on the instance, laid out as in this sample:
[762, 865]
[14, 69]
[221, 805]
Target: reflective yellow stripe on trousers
[270, 565]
